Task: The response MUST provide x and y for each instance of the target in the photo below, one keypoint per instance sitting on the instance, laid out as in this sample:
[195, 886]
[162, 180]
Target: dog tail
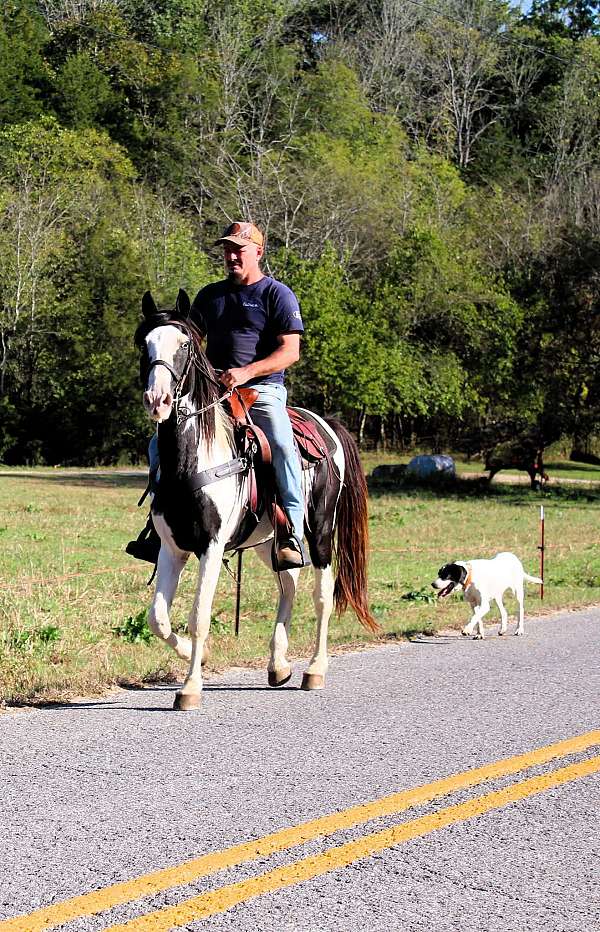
[534, 579]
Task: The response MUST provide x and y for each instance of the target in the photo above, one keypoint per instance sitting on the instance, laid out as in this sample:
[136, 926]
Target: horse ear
[182, 305]
[149, 308]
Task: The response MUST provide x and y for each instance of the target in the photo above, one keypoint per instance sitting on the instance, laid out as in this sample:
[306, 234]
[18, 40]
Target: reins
[183, 414]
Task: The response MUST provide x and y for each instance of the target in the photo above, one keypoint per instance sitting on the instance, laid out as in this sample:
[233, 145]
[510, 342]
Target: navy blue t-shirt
[242, 322]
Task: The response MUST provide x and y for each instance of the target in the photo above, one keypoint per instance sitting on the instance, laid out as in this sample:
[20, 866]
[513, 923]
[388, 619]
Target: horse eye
[185, 345]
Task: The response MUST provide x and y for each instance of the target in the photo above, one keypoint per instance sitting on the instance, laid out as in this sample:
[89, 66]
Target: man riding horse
[252, 324]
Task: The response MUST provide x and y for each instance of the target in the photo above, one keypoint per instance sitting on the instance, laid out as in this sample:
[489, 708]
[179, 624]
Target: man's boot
[147, 544]
[291, 554]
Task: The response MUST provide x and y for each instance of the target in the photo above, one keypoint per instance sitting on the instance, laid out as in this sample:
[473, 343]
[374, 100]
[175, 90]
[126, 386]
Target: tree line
[428, 177]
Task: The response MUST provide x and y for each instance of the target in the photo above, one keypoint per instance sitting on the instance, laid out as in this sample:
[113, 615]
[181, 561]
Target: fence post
[238, 593]
[542, 548]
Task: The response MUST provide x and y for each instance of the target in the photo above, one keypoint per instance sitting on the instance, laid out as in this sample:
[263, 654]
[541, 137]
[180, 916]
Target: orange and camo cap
[242, 233]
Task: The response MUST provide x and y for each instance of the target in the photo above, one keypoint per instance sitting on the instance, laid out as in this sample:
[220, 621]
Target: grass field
[72, 603]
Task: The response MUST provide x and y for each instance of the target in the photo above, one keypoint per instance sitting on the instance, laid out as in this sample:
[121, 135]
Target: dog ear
[463, 573]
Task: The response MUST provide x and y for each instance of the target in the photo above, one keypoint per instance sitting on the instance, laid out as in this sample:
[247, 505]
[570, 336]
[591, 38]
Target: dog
[484, 580]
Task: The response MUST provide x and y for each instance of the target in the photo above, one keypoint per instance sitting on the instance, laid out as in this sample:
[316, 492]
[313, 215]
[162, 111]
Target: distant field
[557, 469]
[72, 602]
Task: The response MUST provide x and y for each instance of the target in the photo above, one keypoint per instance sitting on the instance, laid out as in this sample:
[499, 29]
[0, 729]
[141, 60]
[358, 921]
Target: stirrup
[289, 554]
[147, 544]
[151, 488]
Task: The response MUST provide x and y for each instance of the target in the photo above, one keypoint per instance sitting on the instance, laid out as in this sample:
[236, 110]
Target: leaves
[135, 630]
[428, 183]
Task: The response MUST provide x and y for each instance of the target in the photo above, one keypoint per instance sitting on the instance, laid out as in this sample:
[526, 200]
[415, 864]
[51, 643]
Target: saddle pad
[311, 443]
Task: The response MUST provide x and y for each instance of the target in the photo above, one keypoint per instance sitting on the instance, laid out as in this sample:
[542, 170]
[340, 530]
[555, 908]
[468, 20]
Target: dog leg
[503, 616]
[467, 631]
[521, 599]
[482, 610]
[477, 622]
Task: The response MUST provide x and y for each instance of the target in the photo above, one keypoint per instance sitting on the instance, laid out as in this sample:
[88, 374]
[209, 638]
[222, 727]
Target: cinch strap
[232, 468]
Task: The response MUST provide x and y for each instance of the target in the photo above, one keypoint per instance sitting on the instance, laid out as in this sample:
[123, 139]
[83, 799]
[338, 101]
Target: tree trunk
[361, 428]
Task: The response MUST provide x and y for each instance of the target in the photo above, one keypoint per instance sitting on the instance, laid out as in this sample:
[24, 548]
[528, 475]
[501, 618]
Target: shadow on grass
[572, 466]
[481, 490]
[91, 480]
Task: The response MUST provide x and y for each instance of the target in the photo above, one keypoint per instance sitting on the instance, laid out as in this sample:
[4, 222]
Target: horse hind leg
[168, 573]
[279, 670]
[314, 677]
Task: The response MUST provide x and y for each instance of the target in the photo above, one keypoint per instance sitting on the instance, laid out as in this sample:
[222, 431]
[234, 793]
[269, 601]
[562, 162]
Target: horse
[196, 440]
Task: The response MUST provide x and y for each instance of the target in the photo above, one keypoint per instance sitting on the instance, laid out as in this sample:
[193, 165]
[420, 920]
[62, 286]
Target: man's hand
[286, 354]
[231, 378]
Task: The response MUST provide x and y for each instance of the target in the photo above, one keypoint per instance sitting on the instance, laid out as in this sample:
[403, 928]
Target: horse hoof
[279, 677]
[313, 681]
[187, 702]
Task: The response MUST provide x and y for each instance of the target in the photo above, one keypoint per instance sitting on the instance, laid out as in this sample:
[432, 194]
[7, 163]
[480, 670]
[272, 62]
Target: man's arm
[286, 354]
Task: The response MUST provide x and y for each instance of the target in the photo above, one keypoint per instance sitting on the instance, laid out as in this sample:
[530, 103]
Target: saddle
[254, 459]
[253, 448]
[311, 444]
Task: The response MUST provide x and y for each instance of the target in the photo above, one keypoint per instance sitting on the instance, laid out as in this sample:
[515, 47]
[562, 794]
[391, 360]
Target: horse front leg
[189, 696]
[168, 573]
[314, 677]
[279, 669]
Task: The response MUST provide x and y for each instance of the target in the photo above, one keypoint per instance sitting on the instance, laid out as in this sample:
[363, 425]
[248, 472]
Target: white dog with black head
[484, 580]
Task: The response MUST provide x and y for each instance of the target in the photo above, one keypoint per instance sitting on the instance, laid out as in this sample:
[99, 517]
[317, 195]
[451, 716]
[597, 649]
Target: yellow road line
[99, 900]
[219, 901]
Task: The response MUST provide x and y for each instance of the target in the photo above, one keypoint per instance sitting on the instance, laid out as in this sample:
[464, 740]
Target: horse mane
[205, 385]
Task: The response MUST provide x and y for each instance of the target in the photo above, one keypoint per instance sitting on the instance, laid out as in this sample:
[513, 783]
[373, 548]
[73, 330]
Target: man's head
[243, 248]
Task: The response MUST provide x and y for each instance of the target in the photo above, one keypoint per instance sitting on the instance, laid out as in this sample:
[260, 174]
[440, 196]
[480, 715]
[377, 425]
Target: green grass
[72, 603]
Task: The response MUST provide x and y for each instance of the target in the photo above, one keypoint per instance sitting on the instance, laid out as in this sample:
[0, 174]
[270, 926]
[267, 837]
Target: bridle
[181, 412]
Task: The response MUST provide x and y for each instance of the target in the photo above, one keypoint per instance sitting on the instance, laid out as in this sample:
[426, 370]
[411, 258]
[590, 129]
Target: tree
[572, 127]
[574, 18]
[24, 75]
[54, 183]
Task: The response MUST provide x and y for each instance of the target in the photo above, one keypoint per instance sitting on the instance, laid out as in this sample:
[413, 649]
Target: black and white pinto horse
[195, 434]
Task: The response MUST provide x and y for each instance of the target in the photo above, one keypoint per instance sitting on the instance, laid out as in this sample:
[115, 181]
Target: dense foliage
[428, 178]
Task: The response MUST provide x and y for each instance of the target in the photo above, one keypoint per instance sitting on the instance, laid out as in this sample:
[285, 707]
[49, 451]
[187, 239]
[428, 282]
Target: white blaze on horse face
[161, 343]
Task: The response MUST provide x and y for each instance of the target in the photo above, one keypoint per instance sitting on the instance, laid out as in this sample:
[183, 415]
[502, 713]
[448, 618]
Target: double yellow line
[224, 898]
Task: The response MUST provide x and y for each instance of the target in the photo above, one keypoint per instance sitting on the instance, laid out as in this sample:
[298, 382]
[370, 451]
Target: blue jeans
[268, 412]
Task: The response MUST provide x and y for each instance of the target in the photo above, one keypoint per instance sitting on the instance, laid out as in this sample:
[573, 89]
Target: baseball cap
[241, 233]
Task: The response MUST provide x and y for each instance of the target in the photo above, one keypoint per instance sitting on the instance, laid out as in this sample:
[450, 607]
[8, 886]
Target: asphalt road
[102, 792]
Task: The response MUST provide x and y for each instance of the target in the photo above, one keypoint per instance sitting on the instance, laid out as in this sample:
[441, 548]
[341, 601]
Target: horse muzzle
[158, 405]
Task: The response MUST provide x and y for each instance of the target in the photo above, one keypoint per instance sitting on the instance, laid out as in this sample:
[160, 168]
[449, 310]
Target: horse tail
[352, 535]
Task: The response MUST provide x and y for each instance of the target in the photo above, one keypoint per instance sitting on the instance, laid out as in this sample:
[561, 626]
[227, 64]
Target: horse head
[170, 352]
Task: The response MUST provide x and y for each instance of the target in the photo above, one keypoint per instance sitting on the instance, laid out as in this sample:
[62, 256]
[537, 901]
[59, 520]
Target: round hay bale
[431, 468]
